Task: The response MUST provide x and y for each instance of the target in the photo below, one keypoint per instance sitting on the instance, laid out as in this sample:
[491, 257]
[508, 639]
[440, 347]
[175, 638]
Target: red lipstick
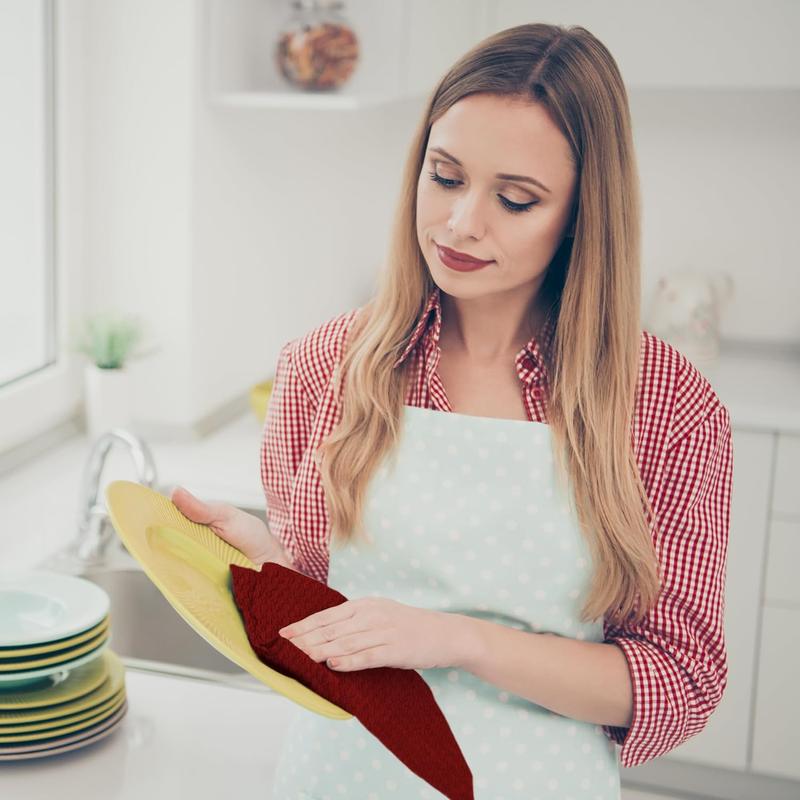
[459, 261]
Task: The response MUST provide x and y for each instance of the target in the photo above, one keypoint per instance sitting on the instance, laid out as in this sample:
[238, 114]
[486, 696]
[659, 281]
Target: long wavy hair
[594, 282]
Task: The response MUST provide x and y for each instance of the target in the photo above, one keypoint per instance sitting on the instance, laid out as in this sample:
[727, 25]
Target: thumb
[192, 507]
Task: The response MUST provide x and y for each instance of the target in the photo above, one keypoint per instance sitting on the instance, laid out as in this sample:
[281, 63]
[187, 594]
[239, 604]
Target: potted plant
[108, 340]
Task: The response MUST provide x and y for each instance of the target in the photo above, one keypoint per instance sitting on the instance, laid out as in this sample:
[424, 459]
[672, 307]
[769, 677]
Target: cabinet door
[786, 499]
[723, 742]
[782, 588]
[775, 739]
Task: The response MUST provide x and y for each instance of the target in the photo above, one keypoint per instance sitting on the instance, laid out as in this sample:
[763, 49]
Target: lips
[467, 259]
[459, 262]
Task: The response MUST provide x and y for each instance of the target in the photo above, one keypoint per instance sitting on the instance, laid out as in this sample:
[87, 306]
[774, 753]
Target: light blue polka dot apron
[466, 516]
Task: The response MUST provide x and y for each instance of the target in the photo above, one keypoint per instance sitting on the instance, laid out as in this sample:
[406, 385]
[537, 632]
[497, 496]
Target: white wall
[292, 217]
[140, 146]
[719, 173]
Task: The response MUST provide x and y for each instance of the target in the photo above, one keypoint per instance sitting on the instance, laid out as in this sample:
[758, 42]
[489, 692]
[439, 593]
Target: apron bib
[466, 515]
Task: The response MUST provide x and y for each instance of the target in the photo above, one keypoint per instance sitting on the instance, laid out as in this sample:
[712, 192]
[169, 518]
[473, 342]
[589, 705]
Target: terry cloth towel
[395, 705]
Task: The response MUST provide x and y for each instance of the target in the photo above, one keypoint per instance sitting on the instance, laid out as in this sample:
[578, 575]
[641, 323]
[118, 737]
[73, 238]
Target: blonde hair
[594, 280]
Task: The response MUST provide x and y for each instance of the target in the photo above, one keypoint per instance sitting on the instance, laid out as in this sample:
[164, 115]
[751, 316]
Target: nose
[466, 217]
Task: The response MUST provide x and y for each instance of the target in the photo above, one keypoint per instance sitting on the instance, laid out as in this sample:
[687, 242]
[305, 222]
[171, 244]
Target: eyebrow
[502, 175]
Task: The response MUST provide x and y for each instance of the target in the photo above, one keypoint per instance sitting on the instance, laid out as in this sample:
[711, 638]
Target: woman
[560, 585]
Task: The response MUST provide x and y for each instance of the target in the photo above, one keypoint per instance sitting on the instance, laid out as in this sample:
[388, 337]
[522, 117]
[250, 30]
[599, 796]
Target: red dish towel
[395, 705]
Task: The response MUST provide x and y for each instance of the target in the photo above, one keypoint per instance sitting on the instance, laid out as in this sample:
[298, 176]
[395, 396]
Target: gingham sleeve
[677, 656]
[285, 437]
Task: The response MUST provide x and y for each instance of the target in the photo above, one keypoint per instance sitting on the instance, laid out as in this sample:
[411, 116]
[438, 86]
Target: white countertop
[761, 388]
[180, 738]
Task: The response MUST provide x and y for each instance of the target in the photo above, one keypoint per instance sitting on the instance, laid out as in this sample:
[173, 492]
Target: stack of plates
[61, 686]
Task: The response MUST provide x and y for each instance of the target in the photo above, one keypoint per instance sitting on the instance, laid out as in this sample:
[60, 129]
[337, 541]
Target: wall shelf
[241, 72]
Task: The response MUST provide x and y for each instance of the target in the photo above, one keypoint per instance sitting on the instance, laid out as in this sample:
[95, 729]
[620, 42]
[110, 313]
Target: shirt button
[537, 392]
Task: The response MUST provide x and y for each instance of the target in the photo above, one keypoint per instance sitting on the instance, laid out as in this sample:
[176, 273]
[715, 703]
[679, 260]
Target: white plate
[39, 606]
[13, 680]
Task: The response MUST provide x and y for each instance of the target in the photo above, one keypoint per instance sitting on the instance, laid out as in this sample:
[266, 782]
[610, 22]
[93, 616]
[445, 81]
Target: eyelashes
[514, 208]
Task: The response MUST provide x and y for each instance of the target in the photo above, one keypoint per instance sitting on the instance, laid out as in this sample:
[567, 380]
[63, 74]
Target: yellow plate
[23, 664]
[65, 719]
[58, 644]
[190, 566]
[63, 744]
[57, 688]
[94, 719]
[108, 668]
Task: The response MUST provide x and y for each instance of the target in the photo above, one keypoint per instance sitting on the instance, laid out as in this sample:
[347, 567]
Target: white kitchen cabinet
[777, 700]
[775, 736]
[786, 500]
[782, 587]
[681, 43]
[724, 741]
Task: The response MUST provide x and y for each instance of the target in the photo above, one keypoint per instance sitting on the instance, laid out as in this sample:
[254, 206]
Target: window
[27, 272]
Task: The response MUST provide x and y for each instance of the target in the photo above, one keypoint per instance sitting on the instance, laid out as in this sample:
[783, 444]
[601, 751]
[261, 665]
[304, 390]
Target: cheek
[530, 245]
[521, 238]
[431, 210]
[423, 199]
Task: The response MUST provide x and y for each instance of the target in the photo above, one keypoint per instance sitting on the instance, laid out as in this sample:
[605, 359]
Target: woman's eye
[449, 183]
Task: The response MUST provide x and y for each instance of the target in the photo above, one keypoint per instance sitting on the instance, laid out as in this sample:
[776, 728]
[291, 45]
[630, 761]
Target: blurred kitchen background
[160, 167]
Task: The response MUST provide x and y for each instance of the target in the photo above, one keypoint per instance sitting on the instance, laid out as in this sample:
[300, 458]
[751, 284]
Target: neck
[491, 329]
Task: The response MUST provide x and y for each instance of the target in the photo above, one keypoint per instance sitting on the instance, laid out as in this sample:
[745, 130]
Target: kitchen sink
[145, 631]
[145, 626]
[148, 633]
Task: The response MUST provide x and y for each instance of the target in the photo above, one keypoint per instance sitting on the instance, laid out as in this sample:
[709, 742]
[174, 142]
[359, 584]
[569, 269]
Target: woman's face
[512, 222]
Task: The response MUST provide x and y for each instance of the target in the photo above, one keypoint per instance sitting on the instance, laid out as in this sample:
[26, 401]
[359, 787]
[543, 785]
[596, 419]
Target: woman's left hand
[373, 632]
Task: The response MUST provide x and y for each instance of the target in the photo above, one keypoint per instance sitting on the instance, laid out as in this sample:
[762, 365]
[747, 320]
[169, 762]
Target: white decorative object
[686, 309]
[108, 340]
[107, 399]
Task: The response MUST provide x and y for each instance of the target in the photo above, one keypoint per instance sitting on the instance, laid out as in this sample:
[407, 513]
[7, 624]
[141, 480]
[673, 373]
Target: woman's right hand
[243, 531]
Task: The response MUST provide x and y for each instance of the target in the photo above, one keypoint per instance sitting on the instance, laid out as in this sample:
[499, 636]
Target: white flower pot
[107, 399]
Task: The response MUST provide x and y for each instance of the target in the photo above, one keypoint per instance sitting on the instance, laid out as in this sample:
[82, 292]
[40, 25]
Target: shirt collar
[537, 349]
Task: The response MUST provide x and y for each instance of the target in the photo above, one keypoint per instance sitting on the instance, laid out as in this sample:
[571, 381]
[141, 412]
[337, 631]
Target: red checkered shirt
[682, 440]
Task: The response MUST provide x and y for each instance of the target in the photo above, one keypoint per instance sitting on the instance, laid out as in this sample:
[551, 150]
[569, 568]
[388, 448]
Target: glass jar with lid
[317, 47]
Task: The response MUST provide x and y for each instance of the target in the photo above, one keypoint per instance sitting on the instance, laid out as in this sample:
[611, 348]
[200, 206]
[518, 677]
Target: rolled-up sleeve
[677, 655]
[285, 438]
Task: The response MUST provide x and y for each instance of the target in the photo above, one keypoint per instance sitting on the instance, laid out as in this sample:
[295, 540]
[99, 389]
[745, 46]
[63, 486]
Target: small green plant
[109, 339]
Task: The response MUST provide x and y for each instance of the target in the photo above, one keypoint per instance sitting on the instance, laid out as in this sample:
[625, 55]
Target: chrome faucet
[94, 525]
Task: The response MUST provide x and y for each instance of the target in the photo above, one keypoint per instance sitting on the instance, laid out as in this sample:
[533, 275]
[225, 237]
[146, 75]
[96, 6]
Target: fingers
[191, 506]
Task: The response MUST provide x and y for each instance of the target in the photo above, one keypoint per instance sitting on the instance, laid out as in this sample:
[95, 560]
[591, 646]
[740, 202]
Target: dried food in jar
[321, 56]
